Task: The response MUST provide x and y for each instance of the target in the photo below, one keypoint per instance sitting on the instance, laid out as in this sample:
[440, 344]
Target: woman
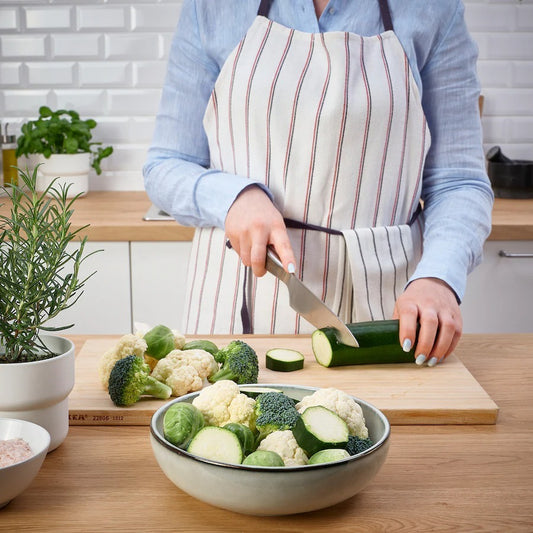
[317, 128]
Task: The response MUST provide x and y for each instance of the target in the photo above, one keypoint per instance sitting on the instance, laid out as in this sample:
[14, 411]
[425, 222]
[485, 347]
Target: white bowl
[16, 478]
[265, 491]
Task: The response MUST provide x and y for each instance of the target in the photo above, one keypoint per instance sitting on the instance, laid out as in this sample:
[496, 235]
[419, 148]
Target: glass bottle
[9, 159]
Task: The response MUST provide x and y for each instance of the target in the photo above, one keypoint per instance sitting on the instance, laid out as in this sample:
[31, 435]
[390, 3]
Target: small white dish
[16, 478]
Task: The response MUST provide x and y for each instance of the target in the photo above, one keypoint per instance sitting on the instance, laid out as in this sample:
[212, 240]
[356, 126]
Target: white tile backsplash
[107, 59]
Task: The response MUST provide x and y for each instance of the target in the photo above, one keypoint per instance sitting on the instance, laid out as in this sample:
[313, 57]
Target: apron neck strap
[264, 8]
[385, 15]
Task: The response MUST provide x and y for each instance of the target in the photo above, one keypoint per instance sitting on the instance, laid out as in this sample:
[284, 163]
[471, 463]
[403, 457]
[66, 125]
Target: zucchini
[217, 444]
[284, 360]
[379, 342]
[328, 456]
[319, 428]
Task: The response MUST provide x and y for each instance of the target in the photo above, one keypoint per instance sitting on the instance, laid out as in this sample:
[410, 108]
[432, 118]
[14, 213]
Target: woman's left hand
[431, 303]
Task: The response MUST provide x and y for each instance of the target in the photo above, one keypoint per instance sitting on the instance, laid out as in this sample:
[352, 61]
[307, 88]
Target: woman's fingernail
[433, 361]
[406, 346]
[291, 269]
[420, 359]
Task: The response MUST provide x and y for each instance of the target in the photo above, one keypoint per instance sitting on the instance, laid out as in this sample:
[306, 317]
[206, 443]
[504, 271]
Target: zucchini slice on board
[318, 428]
[379, 342]
[284, 360]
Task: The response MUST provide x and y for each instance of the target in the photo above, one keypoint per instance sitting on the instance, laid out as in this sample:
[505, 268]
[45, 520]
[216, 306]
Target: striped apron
[332, 124]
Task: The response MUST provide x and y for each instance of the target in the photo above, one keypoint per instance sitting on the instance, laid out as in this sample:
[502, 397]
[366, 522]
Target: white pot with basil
[39, 277]
[59, 144]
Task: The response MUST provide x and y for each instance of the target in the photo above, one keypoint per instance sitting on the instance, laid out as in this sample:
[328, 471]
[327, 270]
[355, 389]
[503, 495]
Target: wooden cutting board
[406, 393]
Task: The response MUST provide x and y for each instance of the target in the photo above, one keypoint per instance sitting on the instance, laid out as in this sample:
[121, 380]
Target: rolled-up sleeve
[456, 191]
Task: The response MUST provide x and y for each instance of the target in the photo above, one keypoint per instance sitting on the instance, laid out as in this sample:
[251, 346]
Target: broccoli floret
[130, 379]
[275, 412]
[239, 363]
[357, 444]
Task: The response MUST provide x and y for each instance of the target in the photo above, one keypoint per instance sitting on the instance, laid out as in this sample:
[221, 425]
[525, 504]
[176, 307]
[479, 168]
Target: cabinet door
[105, 305]
[499, 293]
[158, 278]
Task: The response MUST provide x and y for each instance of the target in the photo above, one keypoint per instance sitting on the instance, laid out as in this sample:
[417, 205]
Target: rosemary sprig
[39, 271]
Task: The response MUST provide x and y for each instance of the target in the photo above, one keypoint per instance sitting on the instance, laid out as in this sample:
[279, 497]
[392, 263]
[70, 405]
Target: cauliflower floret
[127, 345]
[341, 403]
[222, 403]
[185, 371]
[283, 443]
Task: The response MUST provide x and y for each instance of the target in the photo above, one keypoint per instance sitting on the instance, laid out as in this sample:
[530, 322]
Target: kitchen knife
[304, 302]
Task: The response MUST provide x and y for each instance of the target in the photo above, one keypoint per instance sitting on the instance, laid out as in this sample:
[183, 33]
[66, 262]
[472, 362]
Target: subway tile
[483, 17]
[47, 18]
[23, 46]
[10, 74]
[88, 102]
[510, 45]
[9, 19]
[50, 73]
[524, 16]
[102, 73]
[154, 17]
[139, 102]
[128, 157]
[103, 17]
[522, 130]
[494, 73]
[522, 74]
[149, 73]
[130, 46]
[118, 180]
[113, 130]
[76, 45]
[496, 129]
[508, 102]
[25, 103]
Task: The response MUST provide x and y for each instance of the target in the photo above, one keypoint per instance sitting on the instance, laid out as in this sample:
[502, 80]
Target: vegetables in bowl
[287, 489]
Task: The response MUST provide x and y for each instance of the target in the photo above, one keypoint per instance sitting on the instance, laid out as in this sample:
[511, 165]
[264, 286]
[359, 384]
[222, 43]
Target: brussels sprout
[160, 341]
[263, 458]
[244, 434]
[205, 345]
[181, 423]
[327, 456]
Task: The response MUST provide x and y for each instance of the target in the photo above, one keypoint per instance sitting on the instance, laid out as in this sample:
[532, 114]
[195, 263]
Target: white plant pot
[70, 169]
[38, 391]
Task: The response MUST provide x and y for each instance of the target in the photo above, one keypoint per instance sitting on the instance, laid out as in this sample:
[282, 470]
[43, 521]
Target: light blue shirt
[456, 191]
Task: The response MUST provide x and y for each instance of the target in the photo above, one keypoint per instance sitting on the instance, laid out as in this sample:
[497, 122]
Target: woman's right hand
[253, 223]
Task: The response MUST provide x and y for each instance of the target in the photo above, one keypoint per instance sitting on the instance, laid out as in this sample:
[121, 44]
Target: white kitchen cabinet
[158, 278]
[499, 294]
[105, 305]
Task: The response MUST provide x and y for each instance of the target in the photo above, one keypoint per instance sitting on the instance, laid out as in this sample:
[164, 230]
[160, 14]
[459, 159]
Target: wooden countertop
[436, 478]
[117, 216]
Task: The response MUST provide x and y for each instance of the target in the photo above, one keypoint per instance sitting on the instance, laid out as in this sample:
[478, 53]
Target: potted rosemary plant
[40, 259]
[60, 143]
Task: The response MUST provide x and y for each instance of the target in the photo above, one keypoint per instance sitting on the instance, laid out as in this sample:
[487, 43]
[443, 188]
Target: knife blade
[307, 304]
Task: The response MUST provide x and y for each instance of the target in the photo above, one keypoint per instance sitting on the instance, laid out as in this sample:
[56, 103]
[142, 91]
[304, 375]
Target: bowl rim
[43, 446]
[255, 468]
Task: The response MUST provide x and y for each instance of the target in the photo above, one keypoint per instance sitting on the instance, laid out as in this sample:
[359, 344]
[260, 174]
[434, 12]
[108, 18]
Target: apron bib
[332, 124]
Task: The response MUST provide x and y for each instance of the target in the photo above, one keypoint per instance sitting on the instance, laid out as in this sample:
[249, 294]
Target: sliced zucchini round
[217, 444]
[319, 428]
[284, 360]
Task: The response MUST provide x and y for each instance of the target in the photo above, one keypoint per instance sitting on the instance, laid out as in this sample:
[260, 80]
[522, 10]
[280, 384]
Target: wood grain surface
[447, 478]
[406, 393]
[117, 216]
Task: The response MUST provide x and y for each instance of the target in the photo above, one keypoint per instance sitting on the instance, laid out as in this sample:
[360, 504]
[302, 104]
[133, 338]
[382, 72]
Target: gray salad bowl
[271, 491]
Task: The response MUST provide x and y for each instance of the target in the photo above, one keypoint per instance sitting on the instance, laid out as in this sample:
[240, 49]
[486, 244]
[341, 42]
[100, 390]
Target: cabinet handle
[503, 253]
